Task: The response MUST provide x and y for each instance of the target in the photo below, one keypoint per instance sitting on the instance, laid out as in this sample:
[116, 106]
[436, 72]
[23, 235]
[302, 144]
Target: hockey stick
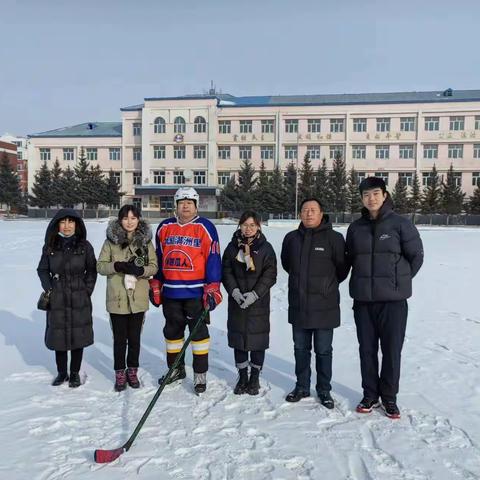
[107, 456]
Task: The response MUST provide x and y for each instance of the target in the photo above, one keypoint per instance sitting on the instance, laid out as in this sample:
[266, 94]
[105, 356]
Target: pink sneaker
[120, 380]
[132, 378]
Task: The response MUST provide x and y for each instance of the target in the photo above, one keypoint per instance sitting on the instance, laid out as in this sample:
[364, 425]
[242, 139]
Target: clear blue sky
[65, 62]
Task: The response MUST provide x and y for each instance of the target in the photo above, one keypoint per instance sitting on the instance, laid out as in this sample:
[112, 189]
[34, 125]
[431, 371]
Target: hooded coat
[249, 329]
[67, 268]
[119, 248]
[314, 259]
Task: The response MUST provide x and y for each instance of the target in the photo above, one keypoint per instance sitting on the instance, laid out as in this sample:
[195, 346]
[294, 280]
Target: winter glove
[131, 269]
[211, 295]
[237, 296]
[249, 298]
[120, 267]
[155, 292]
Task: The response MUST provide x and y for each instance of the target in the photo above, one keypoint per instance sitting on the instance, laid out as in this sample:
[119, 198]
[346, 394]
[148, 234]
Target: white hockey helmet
[186, 193]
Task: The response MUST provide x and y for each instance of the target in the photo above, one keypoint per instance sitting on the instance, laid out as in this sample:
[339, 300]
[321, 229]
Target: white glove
[249, 298]
[237, 296]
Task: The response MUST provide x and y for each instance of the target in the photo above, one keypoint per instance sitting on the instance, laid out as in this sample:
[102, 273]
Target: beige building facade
[202, 140]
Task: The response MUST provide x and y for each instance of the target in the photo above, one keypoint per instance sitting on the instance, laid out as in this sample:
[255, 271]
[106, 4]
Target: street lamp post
[296, 182]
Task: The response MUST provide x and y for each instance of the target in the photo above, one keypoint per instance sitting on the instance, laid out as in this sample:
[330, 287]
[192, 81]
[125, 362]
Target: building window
[245, 152]
[383, 124]
[336, 149]
[313, 125]
[382, 151]
[117, 176]
[476, 150]
[267, 126]
[432, 123]
[313, 151]
[427, 179]
[114, 153]
[137, 202]
[224, 177]
[224, 126]
[179, 152]
[199, 177]
[199, 151]
[267, 152]
[19, 167]
[359, 124]
[383, 176]
[457, 123]
[137, 154]
[179, 125]
[224, 152]
[430, 150]
[407, 178]
[154, 201]
[199, 125]
[336, 125]
[166, 203]
[159, 125]
[178, 177]
[361, 176]
[359, 152]
[137, 129]
[455, 150]
[19, 155]
[407, 124]
[245, 126]
[159, 176]
[92, 154]
[68, 154]
[44, 154]
[159, 152]
[137, 178]
[477, 122]
[290, 152]
[291, 126]
[476, 179]
[406, 151]
[457, 179]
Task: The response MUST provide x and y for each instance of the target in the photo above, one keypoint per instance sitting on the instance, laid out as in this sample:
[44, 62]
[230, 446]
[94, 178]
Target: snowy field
[49, 433]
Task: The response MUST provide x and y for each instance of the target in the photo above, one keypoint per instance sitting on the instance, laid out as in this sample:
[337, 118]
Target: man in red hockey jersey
[188, 281]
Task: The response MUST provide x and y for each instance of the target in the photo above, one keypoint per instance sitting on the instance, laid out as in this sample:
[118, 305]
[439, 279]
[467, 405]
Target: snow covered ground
[49, 433]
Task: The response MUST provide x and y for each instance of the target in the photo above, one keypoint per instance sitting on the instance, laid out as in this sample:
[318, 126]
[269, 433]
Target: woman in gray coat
[249, 270]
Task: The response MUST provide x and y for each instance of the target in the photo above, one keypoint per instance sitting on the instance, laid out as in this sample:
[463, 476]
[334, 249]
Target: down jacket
[67, 268]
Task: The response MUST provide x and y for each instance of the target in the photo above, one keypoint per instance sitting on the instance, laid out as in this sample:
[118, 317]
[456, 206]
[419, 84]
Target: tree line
[337, 189]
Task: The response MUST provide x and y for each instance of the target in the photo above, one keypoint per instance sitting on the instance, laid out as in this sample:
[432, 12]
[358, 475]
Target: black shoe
[61, 378]
[74, 381]
[200, 388]
[296, 395]
[367, 405]
[326, 400]
[200, 382]
[253, 386]
[242, 384]
[178, 373]
[391, 409]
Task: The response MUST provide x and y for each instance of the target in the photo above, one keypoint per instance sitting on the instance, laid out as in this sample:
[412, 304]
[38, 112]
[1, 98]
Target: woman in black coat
[249, 271]
[67, 269]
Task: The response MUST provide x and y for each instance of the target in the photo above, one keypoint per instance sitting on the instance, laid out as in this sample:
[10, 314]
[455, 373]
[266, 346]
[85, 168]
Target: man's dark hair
[312, 199]
[123, 212]
[370, 183]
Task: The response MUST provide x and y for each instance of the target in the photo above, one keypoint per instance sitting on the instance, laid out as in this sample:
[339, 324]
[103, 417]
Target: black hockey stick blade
[108, 456]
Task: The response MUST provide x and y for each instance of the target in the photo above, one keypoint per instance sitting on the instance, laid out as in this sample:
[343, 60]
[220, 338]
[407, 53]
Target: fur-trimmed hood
[118, 236]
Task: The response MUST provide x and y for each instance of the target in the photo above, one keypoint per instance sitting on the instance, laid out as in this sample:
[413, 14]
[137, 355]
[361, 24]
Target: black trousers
[126, 336]
[383, 322]
[75, 360]
[257, 357]
[178, 314]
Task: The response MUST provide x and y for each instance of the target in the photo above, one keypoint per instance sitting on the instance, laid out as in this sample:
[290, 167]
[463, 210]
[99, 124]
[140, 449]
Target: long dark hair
[250, 214]
[123, 212]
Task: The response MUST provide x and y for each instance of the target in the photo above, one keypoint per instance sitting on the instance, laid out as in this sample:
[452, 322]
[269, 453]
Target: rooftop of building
[89, 129]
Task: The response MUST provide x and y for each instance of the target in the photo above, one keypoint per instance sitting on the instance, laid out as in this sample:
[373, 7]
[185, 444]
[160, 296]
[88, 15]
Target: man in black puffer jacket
[314, 258]
[385, 252]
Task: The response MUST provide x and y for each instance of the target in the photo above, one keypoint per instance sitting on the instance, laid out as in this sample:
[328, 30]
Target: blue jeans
[322, 344]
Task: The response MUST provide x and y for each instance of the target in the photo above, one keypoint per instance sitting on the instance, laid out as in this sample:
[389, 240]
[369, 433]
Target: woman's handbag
[44, 300]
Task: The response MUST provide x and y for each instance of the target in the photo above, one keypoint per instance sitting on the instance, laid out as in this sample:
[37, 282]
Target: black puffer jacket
[249, 329]
[385, 254]
[68, 267]
[314, 258]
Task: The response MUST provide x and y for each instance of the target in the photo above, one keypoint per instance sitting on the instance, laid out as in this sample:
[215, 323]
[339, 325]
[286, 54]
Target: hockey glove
[237, 296]
[211, 296]
[155, 292]
[249, 299]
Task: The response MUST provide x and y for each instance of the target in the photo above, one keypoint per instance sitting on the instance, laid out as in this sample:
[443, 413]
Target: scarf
[246, 245]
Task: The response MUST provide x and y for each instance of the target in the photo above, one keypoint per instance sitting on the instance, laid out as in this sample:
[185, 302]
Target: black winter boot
[242, 384]
[178, 374]
[74, 381]
[62, 377]
[254, 382]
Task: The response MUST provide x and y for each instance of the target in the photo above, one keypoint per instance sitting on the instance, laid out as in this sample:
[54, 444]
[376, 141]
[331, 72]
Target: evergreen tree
[82, 176]
[306, 187]
[246, 185]
[229, 196]
[354, 202]
[56, 181]
[337, 182]
[68, 189]
[452, 195]
[400, 197]
[262, 190]
[431, 200]
[42, 188]
[415, 198]
[97, 187]
[10, 191]
[474, 203]
[289, 183]
[321, 186]
[112, 191]
[276, 193]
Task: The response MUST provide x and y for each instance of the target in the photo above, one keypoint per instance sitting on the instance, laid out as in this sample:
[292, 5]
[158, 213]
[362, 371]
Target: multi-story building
[201, 140]
[16, 163]
[19, 157]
